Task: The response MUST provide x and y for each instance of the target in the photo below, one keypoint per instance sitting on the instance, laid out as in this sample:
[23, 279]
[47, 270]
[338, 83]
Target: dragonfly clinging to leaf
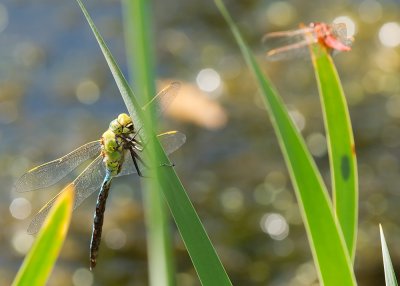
[116, 154]
[294, 43]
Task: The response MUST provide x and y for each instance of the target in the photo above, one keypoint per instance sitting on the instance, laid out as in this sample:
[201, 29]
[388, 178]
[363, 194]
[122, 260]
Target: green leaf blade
[139, 52]
[326, 240]
[390, 276]
[132, 105]
[341, 148]
[40, 260]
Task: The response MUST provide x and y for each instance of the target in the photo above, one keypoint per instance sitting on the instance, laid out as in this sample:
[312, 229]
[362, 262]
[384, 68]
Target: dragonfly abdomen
[98, 219]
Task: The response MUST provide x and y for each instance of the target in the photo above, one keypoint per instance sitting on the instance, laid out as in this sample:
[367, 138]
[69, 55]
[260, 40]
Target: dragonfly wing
[288, 44]
[340, 32]
[50, 173]
[171, 141]
[295, 50]
[291, 34]
[84, 185]
[164, 98]
[160, 103]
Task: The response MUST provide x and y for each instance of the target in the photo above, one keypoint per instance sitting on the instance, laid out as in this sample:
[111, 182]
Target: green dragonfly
[116, 154]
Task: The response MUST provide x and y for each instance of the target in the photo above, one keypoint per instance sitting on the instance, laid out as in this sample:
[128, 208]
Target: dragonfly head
[122, 125]
[126, 123]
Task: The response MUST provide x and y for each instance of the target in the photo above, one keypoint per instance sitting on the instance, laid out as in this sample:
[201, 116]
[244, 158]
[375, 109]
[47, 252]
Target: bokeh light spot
[208, 80]
[277, 179]
[275, 225]
[281, 13]
[317, 144]
[87, 92]
[22, 241]
[20, 208]
[115, 238]
[298, 119]
[306, 274]
[389, 34]
[370, 11]
[232, 199]
[82, 277]
[175, 41]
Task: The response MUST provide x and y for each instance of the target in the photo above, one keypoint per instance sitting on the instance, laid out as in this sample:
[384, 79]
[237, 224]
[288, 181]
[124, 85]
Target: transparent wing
[296, 50]
[50, 173]
[287, 44]
[164, 98]
[84, 185]
[160, 103]
[171, 141]
[340, 32]
[291, 34]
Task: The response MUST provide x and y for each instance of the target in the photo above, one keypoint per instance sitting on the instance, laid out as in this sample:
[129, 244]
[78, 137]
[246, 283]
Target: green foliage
[341, 148]
[137, 27]
[40, 260]
[325, 235]
[331, 228]
[390, 276]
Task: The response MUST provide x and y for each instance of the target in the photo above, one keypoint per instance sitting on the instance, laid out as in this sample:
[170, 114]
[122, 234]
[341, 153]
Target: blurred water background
[56, 93]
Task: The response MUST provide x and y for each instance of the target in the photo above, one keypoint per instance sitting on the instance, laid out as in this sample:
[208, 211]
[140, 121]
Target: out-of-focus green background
[56, 93]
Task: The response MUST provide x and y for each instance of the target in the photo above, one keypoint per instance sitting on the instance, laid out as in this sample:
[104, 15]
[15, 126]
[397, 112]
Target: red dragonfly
[287, 44]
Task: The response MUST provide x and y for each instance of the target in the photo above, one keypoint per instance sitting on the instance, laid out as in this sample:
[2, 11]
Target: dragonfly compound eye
[124, 119]
[115, 126]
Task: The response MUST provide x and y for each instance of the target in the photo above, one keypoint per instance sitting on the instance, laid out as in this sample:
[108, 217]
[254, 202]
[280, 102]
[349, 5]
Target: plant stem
[139, 52]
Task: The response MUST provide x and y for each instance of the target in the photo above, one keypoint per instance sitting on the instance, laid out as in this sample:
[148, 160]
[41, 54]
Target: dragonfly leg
[129, 140]
[133, 142]
[98, 220]
[137, 142]
[138, 147]
[135, 158]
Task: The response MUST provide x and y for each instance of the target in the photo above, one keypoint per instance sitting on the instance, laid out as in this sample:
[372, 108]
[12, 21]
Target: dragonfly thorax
[331, 38]
[115, 141]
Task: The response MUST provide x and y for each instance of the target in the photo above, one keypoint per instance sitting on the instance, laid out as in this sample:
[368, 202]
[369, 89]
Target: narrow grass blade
[201, 251]
[390, 276]
[39, 262]
[139, 52]
[326, 239]
[132, 105]
[341, 148]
